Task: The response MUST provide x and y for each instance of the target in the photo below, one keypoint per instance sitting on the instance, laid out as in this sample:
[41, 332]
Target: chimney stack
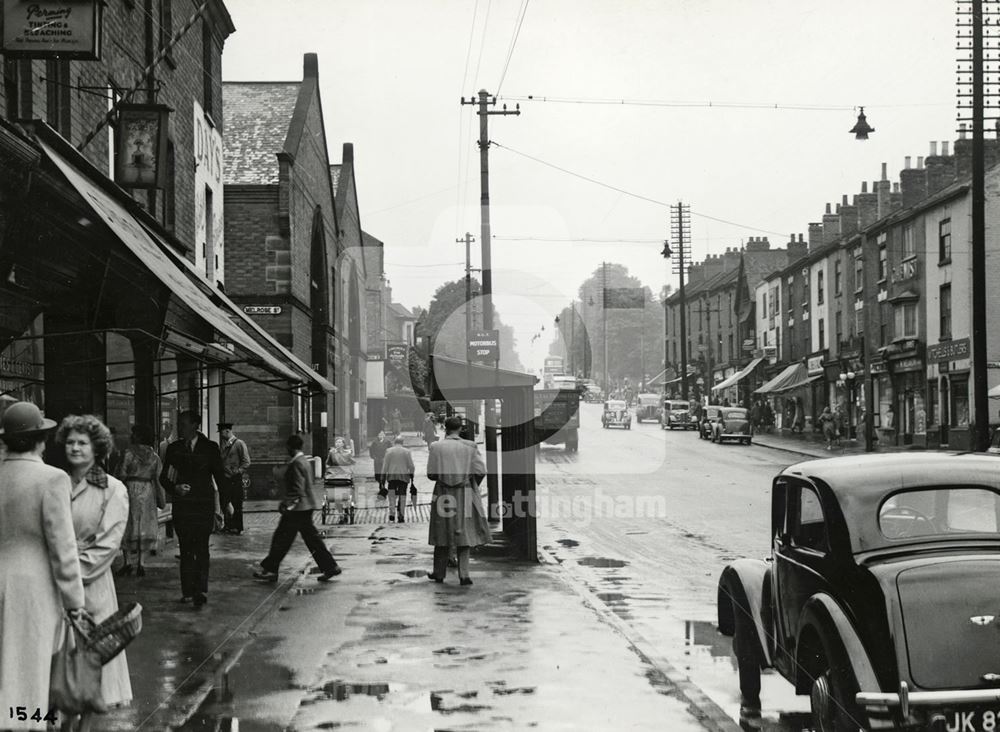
[867, 205]
[758, 244]
[831, 226]
[913, 183]
[797, 248]
[848, 217]
[883, 190]
[815, 236]
[940, 169]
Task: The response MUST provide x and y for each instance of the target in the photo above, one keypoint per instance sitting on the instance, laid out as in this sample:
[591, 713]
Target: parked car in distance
[676, 413]
[733, 423]
[647, 406]
[616, 414]
[879, 600]
[706, 426]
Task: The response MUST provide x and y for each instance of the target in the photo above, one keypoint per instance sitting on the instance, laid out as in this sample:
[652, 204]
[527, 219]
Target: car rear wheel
[832, 700]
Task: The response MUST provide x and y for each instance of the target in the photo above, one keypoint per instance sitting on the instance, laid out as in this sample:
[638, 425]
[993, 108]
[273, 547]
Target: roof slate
[257, 116]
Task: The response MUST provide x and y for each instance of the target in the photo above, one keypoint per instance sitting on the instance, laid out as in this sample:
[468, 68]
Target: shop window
[945, 410]
[120, 387]
[58, 94]
[906, 320]
[959, 400]
[932, 402]
[909, 248]
[837, 284]
[945, 306]
[819, 287]
[944, 241]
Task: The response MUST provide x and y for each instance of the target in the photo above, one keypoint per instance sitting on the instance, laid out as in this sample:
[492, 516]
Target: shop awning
[738, 376]
[792, 377]
[691, 375]
[177, 279]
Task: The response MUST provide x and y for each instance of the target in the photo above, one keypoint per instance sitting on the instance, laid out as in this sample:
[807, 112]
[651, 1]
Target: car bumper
[907, 699]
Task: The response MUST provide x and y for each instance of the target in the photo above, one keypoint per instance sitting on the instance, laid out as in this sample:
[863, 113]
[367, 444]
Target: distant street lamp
[861, 127]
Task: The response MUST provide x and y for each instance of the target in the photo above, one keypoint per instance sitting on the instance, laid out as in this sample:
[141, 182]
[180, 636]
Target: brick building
[283, 254]
[110, 296]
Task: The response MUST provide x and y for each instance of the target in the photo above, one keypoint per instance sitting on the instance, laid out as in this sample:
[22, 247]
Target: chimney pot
[828, 208]
[933, 148]
[961, 131]
[944, 147]
[906, 162]
[920, 162]
[885, 171]
[843, 200]
[895, 187]
[864, 186]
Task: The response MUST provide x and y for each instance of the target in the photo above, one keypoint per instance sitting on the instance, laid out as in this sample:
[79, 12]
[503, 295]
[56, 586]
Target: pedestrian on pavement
[113, 459]
[140, 471]
[40, 576]
[296, 508]
[457, 516]
[397, 422]
[100, 509]
[192, 472]
[756, 416]
[430, 429]
[399, 470]
[768, 416]
[377, 451]
[828, 425]
[235, 464]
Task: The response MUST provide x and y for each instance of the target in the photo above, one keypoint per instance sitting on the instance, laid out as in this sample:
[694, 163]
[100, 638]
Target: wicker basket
[109, 638]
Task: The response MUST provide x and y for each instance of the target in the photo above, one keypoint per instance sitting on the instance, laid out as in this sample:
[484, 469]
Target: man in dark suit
[192, 472]
[296, 507]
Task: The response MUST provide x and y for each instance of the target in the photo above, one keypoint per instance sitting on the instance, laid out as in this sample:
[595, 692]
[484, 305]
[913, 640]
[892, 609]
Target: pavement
[813, 444]
[383, 648]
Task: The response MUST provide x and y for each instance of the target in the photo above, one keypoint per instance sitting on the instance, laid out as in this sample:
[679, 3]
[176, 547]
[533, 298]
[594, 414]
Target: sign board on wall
[397, 368]
[262, 309]
[49, 28]
[814, 365]
[208, 199]
[948, 351]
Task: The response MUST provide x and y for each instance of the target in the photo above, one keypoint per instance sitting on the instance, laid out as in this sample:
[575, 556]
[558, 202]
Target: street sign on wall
[484, 345]
[262, 309]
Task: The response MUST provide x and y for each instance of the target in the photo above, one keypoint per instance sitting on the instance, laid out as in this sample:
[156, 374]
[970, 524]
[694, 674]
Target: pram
[340, 495]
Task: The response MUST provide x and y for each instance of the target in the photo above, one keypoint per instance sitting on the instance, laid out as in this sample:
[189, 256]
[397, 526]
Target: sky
[739, 108]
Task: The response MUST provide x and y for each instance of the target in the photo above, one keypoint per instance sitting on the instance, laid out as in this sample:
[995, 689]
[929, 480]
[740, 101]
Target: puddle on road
[711, 665]
[602, 562]
[568, 543]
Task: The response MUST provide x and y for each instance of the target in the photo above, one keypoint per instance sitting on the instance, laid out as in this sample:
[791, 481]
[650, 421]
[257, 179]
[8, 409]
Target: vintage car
[733, 423]
[709, 415]
[677, 413]
[616, 414]
[647, 406]
[880, 598]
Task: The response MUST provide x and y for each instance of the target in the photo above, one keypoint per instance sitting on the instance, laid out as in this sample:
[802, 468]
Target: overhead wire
[522, 11]
[461, 126]
[612, 101]
[632, 194]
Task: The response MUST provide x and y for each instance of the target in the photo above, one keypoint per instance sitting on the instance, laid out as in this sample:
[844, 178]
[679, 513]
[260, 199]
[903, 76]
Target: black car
[706, 423]
[880, 600]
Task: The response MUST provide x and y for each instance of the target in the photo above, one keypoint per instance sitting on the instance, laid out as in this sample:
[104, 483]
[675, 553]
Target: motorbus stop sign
[484, 345]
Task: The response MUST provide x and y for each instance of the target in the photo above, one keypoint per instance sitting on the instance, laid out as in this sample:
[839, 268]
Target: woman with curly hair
[140, 471]
[100, 510]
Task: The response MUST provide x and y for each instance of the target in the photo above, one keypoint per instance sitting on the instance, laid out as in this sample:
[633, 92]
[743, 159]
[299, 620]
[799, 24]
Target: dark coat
[298, 482]
[195, 467]
[377, 452]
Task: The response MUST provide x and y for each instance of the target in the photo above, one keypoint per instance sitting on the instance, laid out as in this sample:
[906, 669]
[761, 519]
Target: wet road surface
[646, 519]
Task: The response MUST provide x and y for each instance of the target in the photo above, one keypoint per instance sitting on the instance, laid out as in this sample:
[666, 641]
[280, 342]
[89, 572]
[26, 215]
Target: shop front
[947, 403]
[818, 393]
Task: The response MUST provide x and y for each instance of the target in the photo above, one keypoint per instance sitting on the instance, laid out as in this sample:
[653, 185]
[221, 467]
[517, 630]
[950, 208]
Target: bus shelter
[514, 503]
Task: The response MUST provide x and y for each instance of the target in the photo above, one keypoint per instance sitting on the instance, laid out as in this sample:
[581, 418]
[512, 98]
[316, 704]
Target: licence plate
[973, 720]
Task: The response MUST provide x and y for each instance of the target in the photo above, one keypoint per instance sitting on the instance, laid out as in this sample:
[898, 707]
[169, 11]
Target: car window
[736, 414]
[810, 532]
[944, 511]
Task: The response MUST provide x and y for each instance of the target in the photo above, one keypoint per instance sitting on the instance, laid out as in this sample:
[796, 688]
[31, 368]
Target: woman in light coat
[100, 512]
[39, 570]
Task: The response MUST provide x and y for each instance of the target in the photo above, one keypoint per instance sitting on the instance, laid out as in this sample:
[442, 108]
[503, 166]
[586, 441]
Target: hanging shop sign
[141, 145]
[46, 29]
[814, 365]
[948, 351]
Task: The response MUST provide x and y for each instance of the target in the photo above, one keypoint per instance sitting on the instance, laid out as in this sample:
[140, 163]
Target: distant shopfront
[948, 416]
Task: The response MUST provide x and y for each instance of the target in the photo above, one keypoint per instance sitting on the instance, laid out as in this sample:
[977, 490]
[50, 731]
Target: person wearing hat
[40, 577]
[235, 463]
[192, 463]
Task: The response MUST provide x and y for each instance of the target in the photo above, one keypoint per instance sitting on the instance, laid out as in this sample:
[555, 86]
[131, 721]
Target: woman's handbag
[75, 678]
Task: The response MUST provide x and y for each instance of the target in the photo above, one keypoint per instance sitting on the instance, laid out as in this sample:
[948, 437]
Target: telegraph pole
[484, 112]
[468, 239]
[680, 228]
[604, 329]
[980, 384]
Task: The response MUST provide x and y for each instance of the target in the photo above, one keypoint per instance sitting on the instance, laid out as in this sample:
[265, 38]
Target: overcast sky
[784, 78]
